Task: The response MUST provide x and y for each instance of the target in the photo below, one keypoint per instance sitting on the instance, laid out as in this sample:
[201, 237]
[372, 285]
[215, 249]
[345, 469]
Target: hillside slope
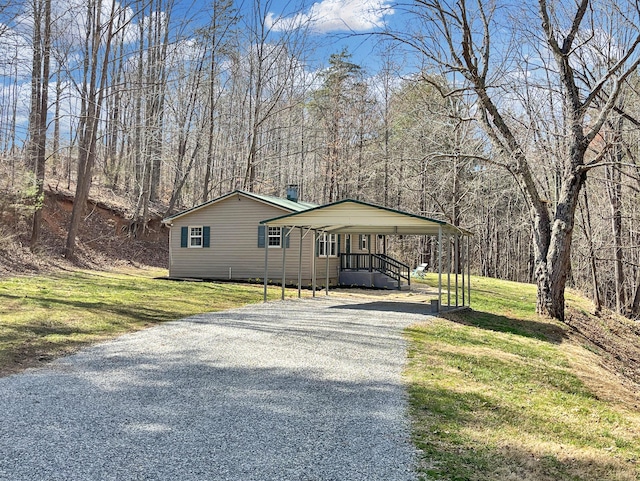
[501, 394]
[107, 237]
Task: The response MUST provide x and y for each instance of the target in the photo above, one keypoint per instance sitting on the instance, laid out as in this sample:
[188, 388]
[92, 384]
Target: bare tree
[97, 55]
[39, 107]
[274, 54]
[220, 28]
[459, 38]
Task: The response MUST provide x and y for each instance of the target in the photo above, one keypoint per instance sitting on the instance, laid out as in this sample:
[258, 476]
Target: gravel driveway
[294, 390]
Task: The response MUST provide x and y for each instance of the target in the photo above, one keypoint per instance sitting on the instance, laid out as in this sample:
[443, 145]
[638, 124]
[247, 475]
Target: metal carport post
[327, 249]
[266, 261]
[300, 230]
[439, 267]
[283, 245]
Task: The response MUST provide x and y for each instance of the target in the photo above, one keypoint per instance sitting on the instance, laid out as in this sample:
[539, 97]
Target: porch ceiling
[357, 217]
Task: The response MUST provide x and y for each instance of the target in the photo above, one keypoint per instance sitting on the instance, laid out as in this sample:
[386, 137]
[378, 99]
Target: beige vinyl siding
[234, 245]
[355, 244]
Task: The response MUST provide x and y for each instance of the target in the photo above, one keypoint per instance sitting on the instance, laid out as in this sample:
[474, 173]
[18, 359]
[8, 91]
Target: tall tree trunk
[614, 191]
[39, 93]
[95, 75]
[635, 304]
[586, 222]
[56, 126]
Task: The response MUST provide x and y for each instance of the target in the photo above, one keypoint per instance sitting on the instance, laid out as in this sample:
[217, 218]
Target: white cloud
[15, 55]
[335, 16]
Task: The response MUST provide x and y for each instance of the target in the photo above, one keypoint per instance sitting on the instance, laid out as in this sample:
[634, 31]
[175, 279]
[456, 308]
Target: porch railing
[376, 262]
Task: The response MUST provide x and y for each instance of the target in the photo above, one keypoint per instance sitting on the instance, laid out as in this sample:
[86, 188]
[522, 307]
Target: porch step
[385, 282]
[370, 279]
[373, 270]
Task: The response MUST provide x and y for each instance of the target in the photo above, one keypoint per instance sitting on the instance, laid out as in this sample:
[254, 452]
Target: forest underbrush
[109, 236]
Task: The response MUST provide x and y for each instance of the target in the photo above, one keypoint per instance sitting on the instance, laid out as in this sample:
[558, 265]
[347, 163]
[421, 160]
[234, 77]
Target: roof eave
[415, 224]
[170, 219]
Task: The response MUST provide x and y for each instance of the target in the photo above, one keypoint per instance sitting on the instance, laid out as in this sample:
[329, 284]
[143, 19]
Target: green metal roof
[355, 216]
[289, 205]
[284, 203]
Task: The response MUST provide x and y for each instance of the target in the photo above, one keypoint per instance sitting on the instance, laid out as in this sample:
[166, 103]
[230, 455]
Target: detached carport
[357, 217]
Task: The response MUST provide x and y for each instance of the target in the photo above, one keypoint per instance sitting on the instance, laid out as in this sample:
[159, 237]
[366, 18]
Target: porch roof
[356, 217]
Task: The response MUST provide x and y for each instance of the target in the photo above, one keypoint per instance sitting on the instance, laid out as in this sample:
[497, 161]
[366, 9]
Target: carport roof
[356, 217]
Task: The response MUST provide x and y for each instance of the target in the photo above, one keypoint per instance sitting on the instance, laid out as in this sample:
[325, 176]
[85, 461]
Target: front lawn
[501, 394]
[43, 317]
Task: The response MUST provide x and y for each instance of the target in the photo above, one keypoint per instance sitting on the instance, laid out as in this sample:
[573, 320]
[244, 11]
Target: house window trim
[191, 237]
[334, 243]
[364, 240]
[270, 236]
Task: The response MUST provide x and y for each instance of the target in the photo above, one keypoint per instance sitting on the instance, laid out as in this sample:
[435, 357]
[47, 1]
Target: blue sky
[331, 16]
[331, 24]
[336, 24]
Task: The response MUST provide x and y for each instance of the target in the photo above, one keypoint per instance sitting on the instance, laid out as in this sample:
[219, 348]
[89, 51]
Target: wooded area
[520, 123]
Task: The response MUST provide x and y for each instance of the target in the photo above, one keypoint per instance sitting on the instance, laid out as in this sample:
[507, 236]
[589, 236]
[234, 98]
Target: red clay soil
[107, 238]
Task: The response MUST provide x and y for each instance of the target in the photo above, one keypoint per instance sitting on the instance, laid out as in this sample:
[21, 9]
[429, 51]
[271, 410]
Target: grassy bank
[501, 394]
[42, 317]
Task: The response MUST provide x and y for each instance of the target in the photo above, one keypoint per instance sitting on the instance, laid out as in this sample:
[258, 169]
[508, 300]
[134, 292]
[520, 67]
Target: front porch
[373, 270]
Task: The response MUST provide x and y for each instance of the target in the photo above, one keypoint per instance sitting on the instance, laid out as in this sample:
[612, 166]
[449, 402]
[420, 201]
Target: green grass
[42, 317]
[495, 395]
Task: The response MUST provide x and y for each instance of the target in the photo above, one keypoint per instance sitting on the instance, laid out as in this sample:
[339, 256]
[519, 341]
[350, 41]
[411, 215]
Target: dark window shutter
[337, 245]
[261, 234]
[369, 243]
[184, 237]
[206, 233]
[318, 246]
[287, 236]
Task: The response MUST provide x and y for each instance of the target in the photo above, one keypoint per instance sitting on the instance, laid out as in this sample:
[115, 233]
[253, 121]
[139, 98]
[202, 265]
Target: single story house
[223, 239]
[243, 236]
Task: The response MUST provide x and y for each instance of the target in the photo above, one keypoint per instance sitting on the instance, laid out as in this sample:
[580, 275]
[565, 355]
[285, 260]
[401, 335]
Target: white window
[195, 236]
[328, 244]
[275, 237]
[364, 246]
